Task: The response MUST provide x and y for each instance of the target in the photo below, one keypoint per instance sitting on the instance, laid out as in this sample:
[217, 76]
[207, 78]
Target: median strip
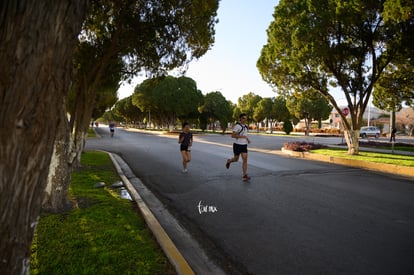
[167, 245]
[380, 167]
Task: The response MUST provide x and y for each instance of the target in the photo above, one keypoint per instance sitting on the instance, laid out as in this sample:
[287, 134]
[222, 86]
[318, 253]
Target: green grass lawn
[104, 234]
[369, 156]
[398, 148]
[91, 133]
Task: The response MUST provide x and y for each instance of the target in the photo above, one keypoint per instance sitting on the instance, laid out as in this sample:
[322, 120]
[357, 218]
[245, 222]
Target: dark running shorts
[184, 148]
[238, 149]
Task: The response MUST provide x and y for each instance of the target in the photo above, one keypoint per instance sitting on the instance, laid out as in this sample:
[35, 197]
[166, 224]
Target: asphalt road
[294, 216]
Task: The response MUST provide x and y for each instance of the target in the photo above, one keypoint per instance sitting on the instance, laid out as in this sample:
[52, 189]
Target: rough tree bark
[351, 127]
[36, 48]
[308, 123]
[352, 140]
[56, 198]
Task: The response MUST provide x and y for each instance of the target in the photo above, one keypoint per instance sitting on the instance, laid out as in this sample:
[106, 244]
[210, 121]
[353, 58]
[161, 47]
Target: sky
[230, 65]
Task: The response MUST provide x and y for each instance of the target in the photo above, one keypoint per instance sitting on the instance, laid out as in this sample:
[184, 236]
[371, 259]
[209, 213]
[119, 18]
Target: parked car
[370, 131]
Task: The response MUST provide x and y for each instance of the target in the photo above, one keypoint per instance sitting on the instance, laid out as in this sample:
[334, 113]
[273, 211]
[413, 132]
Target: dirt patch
[84, 202]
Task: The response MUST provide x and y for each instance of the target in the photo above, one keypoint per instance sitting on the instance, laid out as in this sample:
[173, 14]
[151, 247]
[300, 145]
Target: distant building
[371, 113]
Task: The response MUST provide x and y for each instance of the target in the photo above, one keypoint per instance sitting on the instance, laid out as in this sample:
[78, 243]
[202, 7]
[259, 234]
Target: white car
[370, 131]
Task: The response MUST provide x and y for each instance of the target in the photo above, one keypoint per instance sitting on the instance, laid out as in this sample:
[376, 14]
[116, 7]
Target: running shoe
[228, 164]
[185, 171]
[246, 178]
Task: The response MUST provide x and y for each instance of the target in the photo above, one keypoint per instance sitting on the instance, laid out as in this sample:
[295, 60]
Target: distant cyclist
[112, 128]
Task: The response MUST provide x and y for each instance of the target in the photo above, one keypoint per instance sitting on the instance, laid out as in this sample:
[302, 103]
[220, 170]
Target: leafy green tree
[110, 116]
[168, 98]
[264, 110]
[322, 44]
[125, 37]
[287, 126]
[128, 111]
[280, 110]
[216, 108]
[203, 121]
[236, 113]
[394, 89]
[118, 40]
[396, 86]
[309, 106]
[105, 99]
[247, 104]
[119, 109]
[227, 115]
[36, 50]
[71, 141]
[271, 109]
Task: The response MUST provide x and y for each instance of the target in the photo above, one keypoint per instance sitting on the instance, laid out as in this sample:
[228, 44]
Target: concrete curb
[380, 167]
[167, 245]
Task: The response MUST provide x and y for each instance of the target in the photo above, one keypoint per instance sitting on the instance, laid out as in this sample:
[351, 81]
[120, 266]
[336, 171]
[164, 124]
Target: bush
[287, 127]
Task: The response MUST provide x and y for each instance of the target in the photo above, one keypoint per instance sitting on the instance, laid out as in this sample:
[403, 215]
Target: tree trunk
[66, 155]
[352, 140]
[56, 198]
[392, 120]
[83, 117]
[307, 126]
[79, 140]
[270, 122]
[36, 49]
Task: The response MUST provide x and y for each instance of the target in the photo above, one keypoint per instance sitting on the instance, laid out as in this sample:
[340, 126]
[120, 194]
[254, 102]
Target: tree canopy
[248, 103]
[119, 39]
[168, 98]
[309, 106]
[396, 87]
[272, 109]
[323, 44]
[153, 35]
[217, 108]
[122, 38]
[128, 111]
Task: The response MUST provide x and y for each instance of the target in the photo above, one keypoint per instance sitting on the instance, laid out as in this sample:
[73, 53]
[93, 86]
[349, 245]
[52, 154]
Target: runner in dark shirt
[186, 141]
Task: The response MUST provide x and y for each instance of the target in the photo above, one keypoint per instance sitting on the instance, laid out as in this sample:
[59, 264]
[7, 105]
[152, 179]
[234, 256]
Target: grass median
[369, 156]
[91, 133]
[104, 234]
